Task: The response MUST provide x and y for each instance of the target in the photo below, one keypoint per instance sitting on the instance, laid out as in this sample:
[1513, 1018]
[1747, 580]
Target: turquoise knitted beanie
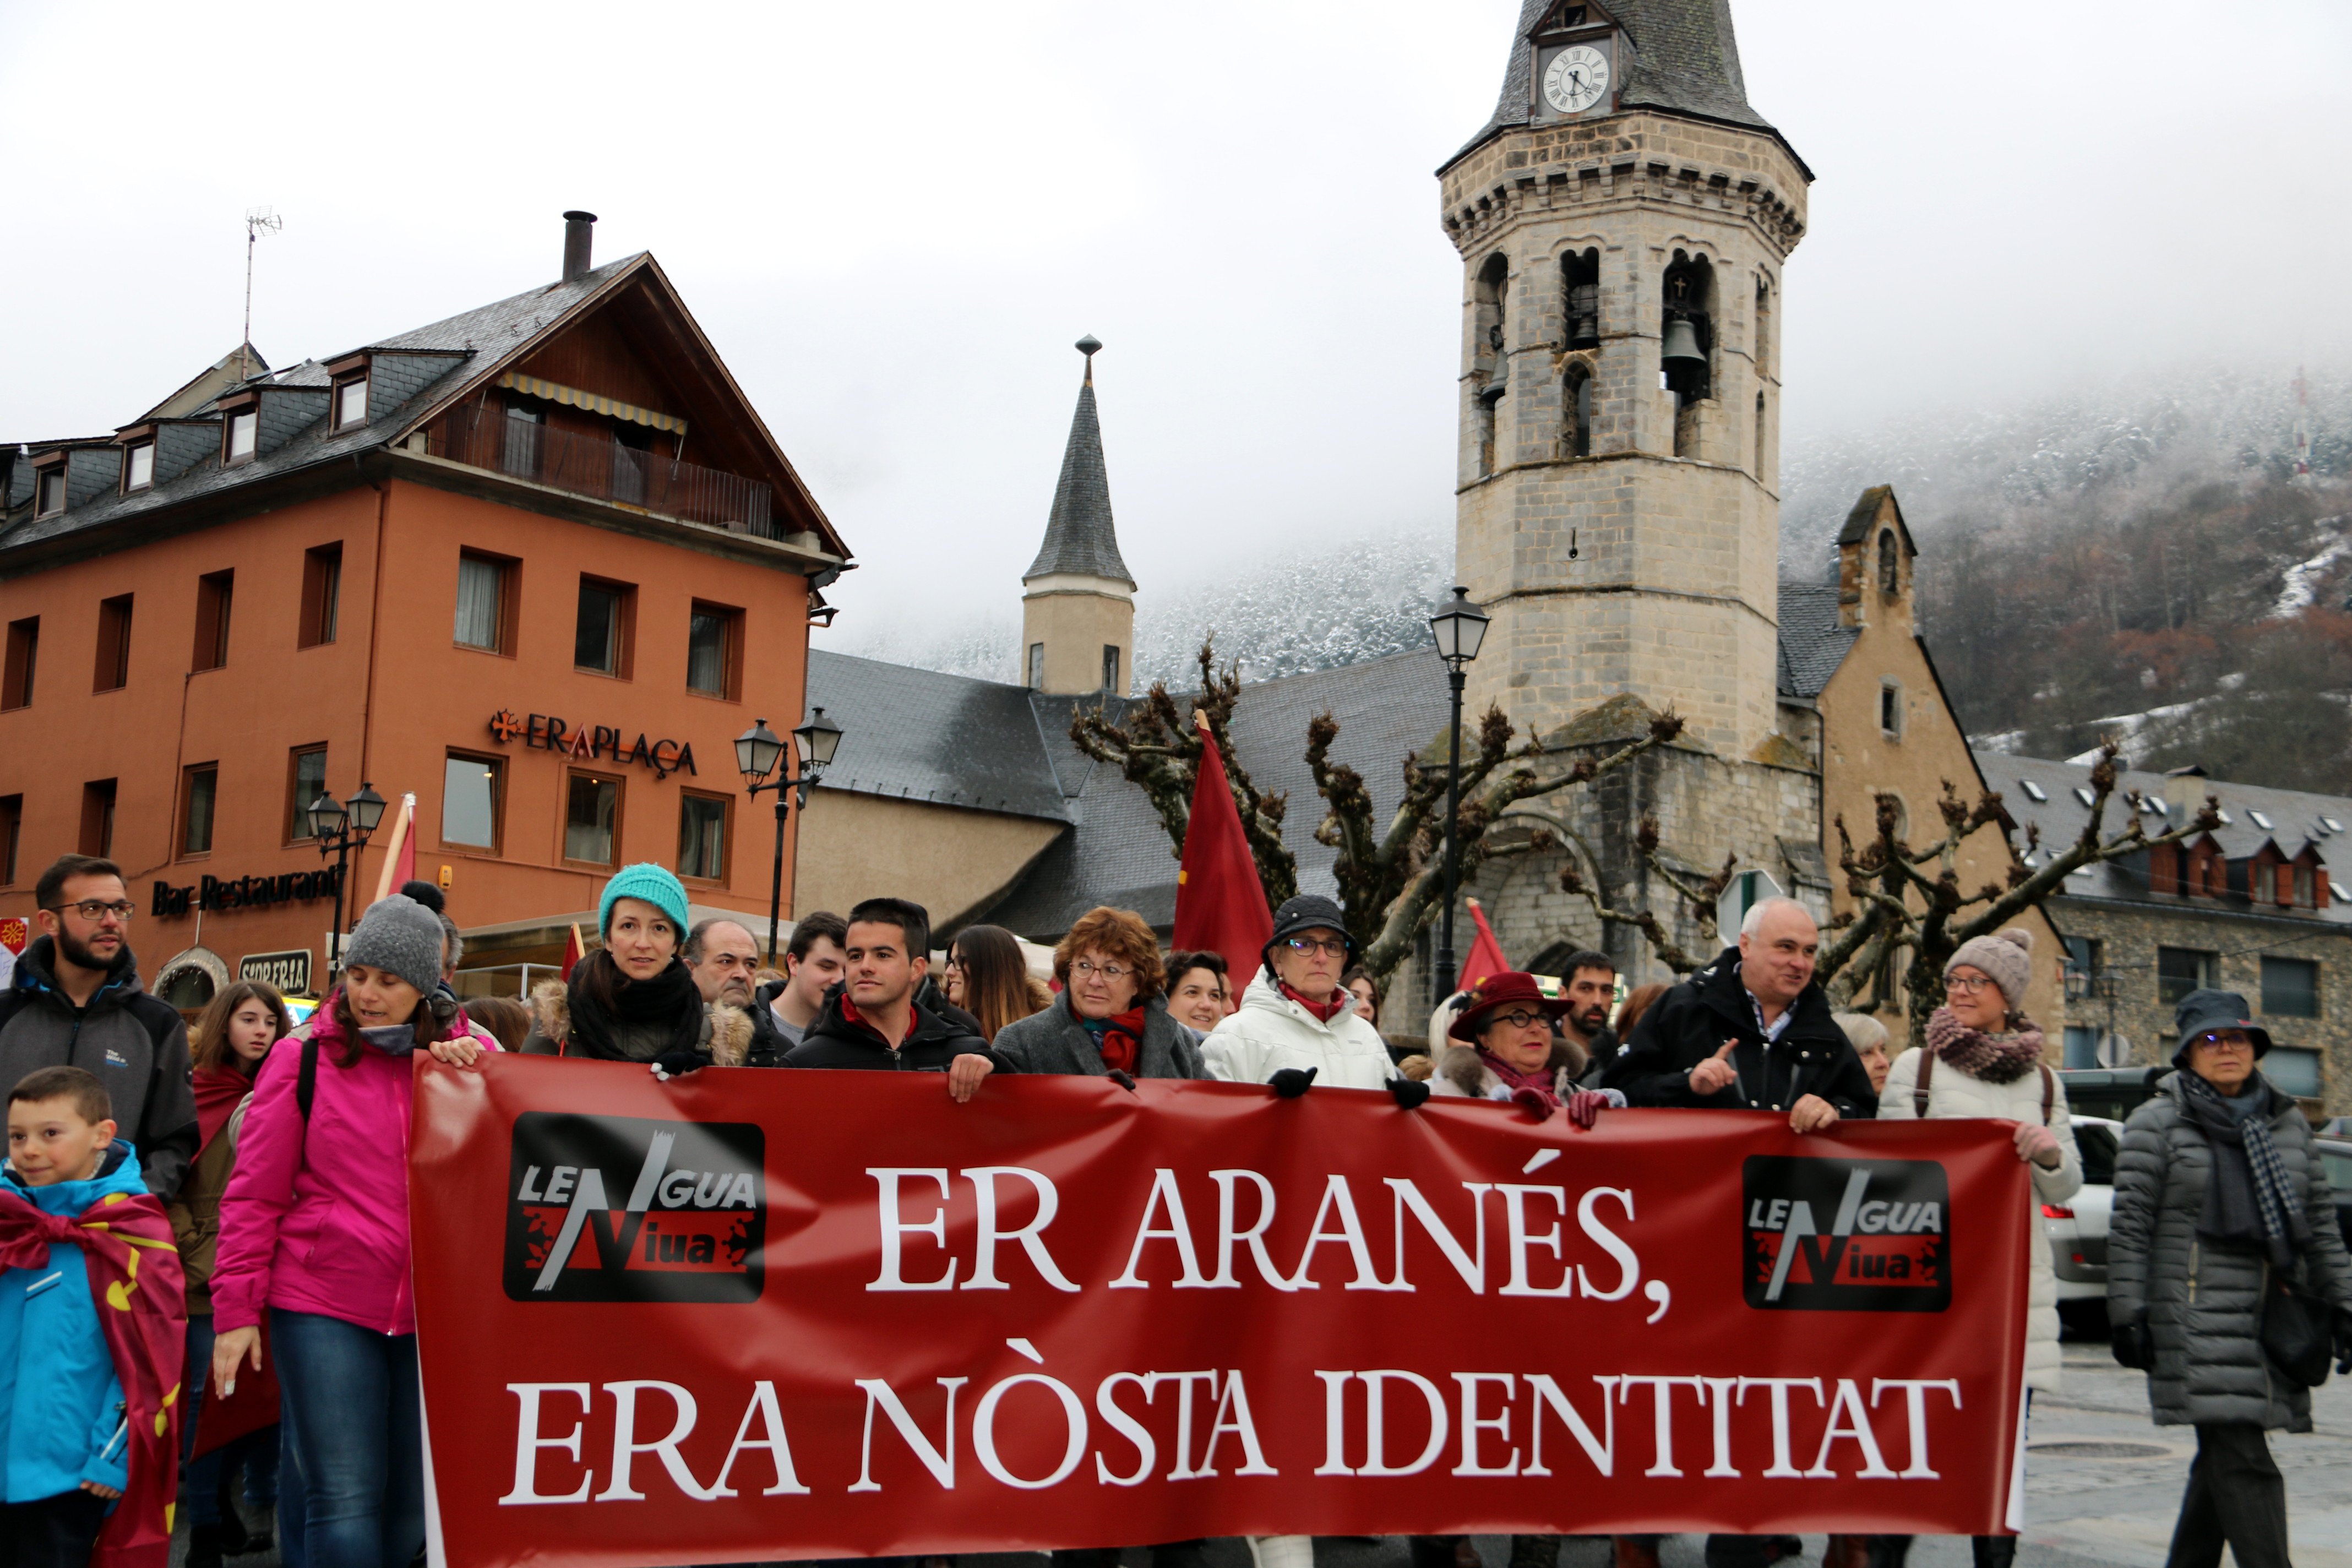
[649, 882]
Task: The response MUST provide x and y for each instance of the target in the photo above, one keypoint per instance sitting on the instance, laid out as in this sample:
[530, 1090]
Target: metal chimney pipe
[579, 241]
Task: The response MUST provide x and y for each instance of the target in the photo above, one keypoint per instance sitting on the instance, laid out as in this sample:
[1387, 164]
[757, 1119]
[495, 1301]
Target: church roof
[1683, 58]
[1079, 537]
[1813, 643]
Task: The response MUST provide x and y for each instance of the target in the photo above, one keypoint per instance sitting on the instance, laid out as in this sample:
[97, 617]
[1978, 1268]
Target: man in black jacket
[1750, 1032]
[870, 1020]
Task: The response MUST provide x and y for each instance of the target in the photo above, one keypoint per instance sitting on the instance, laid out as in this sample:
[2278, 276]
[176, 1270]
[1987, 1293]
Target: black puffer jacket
[2202, 1296]
[1692, 1021]
[934, 1041]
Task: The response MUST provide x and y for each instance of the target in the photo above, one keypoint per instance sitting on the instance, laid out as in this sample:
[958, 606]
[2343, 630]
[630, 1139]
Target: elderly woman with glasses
[1506, 1044]
[1298, 1025]
[1111, 1018]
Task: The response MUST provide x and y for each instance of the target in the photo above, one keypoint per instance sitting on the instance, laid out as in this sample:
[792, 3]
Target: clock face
[1576, 79]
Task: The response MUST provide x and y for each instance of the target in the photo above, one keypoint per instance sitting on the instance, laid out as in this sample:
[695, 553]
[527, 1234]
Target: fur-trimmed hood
[726, 1030]
[1460, 1070]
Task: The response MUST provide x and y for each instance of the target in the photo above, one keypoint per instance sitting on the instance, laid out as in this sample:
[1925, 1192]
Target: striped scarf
[2248, 1197]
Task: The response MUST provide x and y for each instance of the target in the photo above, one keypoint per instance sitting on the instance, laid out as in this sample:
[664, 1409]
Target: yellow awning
[595, 403]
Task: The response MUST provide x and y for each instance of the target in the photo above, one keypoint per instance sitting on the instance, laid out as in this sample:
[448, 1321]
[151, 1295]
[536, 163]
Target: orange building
[538, 564]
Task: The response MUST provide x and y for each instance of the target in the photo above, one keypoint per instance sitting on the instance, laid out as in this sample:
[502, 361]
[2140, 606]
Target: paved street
[2102, 1484]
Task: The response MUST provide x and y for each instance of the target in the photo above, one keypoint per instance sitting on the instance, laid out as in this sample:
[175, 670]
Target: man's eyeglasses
[1306, 945]
[1086, 969]
[1519, 1018]
[96, 910]
[1967, 984]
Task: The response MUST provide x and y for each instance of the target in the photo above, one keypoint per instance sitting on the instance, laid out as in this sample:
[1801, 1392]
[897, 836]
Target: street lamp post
[757, 751]
[1459, 628]
[342, 831]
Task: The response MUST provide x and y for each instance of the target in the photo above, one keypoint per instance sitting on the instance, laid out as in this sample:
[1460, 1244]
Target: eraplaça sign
[592, 743]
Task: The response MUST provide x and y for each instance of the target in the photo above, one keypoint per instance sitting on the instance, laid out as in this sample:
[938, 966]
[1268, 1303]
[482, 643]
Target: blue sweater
[60, 1402]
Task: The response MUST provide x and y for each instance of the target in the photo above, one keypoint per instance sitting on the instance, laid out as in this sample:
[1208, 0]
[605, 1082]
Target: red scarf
[1538, 1082]
[134, 1279]
[219, 1091]
[1119, 1040]
[1330, 1008]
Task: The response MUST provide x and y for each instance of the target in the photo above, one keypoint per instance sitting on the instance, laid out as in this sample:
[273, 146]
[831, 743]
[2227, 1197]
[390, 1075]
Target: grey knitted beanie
[2007, 957]
[402, 936]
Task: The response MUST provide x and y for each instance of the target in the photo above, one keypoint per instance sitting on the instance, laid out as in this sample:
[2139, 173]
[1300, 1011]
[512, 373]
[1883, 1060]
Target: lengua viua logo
[611, 1208]
[1846, 1235]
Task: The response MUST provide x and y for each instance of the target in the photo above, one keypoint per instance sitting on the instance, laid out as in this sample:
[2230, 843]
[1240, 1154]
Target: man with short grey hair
[722, 956]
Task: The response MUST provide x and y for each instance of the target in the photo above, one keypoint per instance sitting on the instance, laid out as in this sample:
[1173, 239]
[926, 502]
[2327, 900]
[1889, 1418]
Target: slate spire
[1079, 537]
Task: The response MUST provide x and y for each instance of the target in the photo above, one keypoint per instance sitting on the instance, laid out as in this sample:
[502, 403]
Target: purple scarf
[1995, 1058]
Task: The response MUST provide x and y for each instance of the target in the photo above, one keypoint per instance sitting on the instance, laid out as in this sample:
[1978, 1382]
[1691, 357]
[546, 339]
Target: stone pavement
[2102, 1487]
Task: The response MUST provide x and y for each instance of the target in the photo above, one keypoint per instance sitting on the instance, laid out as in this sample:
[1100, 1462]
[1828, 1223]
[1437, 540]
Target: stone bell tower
[1077, 599]
[1622, 222]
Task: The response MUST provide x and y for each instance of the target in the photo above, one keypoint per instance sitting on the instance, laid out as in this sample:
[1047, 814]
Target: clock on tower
[1575, 63]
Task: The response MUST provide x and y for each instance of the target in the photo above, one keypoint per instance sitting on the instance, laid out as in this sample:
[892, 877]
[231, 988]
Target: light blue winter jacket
[60, 1403]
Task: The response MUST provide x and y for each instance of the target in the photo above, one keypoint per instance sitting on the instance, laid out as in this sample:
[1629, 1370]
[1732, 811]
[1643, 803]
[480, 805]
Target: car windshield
[2099, 1150]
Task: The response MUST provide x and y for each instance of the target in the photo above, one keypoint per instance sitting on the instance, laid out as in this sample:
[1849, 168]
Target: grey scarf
[2248, 1197]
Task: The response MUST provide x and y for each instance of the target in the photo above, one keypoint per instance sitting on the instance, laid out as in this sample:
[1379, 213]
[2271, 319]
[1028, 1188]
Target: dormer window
[2033, 792]
[139, 467]
[2260, 819]
[352, 403]
[243, 438]
[50, 492]
[2083, 793]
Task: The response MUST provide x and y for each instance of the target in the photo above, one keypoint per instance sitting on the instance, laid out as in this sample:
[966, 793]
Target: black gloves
[2133, 1346]
[678, 1064]
[1408, 1095]
[1291, 1082]
[1121, 1079]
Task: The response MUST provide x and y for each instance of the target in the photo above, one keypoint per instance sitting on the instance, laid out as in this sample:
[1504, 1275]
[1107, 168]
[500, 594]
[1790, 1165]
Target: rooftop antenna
[259, 221]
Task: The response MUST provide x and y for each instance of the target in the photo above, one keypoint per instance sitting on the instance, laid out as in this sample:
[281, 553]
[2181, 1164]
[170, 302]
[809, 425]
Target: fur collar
[729, 1032]
[1461, 1067]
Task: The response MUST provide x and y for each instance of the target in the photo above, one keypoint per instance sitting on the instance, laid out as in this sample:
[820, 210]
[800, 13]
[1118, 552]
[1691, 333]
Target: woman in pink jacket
[314, 1228]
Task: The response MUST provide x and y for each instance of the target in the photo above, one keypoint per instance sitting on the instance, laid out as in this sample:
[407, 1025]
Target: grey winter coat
[136, 1045]
[1054, 1041]
[2202, 1296]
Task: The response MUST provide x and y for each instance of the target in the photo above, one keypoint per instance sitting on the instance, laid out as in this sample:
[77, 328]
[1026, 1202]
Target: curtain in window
[706, 654]
[478, 603]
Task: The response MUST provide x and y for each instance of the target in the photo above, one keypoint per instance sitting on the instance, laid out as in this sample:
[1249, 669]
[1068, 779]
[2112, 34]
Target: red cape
[135, 1279]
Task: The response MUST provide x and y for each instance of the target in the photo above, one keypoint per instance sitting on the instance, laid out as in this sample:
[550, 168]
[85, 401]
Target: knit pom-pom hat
[2007, 957]
[650, 883]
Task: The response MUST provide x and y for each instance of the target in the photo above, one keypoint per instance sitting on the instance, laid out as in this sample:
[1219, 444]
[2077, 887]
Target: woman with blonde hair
[988, 978]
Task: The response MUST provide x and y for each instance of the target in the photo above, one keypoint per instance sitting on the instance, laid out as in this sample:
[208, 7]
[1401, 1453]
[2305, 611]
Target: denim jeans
[203, 1475]
[352, 1402]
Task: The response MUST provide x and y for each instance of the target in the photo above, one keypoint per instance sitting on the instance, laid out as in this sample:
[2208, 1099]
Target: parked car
[2113, 1093]
[2077, 1228]
[2336, 1158]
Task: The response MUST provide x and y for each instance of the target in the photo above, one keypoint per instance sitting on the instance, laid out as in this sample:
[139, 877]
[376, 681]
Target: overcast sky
[893, 220]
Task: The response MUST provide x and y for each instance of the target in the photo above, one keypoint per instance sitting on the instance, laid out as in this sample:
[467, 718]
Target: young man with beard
[76, 1002]
[871, 1021]
[1588, 983]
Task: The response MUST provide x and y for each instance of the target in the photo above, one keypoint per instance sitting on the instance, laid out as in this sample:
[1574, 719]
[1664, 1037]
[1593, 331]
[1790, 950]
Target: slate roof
[1813, 643]
[918, 734]
[1079, 536]
[1683, 58]
[2296, 818]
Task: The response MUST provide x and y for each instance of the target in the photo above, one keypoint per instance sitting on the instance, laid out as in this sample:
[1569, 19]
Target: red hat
[1498, 991]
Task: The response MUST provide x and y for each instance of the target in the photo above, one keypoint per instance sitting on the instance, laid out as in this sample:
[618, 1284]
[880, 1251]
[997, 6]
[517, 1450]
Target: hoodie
[60, 1400]
[136, 1045]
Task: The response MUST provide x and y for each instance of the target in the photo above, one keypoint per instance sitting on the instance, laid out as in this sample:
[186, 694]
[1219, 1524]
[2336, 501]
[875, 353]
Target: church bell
[1682, 344]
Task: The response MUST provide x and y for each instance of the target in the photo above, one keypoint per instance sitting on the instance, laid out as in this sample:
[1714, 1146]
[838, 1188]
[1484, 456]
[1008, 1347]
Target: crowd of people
[277, 1155]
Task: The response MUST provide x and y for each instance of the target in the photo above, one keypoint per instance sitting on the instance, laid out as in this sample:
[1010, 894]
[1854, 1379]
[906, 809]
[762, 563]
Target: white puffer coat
[1269, 1032]
[1954, 1093]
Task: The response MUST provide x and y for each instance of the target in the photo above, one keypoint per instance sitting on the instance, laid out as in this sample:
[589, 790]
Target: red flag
[1220, 902]
[1486, 954]
[575, 950]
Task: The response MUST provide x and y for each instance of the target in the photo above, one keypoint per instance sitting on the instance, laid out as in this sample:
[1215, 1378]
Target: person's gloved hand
[1533, 1101]
[2343, 1340]
[1119, 1077]
[678, 1064]
[1584, 1106]
[1408, 1093]
[1291, 1082]
[2132, 1345]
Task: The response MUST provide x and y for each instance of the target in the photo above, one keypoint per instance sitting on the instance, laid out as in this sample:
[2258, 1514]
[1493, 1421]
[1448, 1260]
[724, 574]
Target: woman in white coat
[1983, 1058]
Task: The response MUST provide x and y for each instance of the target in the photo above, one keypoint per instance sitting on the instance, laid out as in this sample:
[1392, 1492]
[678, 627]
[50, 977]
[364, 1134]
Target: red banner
[754, 1315]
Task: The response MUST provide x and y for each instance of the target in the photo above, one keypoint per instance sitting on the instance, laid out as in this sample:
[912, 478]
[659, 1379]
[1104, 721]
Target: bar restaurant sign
[220, 894]
[592, 743]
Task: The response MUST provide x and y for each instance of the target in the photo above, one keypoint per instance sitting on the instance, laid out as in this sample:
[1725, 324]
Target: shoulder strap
[306, 1083]
[2049, 1091]
[1919, 1085]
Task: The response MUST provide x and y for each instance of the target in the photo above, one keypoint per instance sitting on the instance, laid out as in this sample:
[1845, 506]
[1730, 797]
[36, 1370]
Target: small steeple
[1080, 539]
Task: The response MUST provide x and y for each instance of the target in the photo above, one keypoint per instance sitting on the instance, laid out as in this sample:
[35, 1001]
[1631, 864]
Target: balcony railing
[602, 470]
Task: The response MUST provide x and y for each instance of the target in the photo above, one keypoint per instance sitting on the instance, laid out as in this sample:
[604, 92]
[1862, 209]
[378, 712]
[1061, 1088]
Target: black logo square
[1869, 1236]
[612, 1208]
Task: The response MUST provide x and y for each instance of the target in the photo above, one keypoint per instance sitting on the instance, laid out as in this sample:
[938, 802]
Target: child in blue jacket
[64, 1443]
